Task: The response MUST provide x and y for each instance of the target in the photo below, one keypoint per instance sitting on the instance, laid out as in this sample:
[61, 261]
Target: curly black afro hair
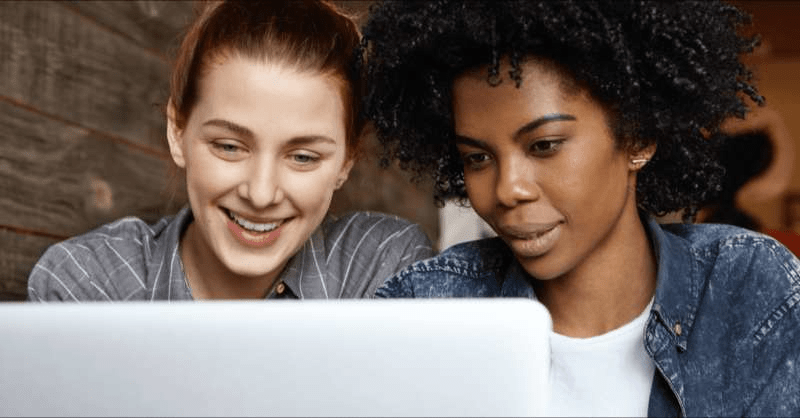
[667, 72]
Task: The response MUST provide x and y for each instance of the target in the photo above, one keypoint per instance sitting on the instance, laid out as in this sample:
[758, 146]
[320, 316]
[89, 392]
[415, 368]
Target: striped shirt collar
[304, 274]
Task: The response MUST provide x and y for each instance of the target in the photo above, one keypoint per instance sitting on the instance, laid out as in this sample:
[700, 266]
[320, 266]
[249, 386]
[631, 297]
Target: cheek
[480, 191]
[311, 189]
[208, 177]
[592, 184]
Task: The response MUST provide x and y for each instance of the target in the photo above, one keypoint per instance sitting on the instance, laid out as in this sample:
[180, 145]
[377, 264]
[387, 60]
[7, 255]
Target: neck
[609, 289]
[209, 278]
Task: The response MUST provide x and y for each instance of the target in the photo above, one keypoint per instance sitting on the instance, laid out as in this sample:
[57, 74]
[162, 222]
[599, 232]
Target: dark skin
[542, 167]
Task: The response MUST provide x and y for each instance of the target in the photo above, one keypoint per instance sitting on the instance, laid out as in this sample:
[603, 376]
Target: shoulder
[469, 258]
[128, 238]
[719, 245]
[91, 266]
[472, 268]
[367, 222]
[373, 231]
[750, 273]
[713, 237]
[752, 289]
[362, 249]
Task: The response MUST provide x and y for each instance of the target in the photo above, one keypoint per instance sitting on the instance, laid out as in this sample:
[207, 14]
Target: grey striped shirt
[346, 257]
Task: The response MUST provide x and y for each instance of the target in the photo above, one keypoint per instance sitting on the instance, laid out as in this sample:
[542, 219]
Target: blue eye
[228, 147]
[228, 150]
[305, 159]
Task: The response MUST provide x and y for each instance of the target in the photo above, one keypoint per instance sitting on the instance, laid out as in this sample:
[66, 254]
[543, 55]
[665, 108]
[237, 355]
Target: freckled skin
[267, 143]
[542, 168]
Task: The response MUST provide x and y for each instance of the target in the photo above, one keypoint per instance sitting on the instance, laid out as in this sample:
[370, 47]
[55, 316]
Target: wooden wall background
[82, 89]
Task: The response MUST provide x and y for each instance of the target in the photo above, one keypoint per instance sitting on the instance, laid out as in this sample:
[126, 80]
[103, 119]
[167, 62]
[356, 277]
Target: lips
[531, 240]
[251, 225]
[251, 233]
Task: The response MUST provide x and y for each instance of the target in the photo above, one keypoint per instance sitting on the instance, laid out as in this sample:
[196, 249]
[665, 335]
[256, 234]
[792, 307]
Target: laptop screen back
[455, 357]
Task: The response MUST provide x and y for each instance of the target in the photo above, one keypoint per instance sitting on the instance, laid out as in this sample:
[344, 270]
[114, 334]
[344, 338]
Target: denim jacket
[723, 331]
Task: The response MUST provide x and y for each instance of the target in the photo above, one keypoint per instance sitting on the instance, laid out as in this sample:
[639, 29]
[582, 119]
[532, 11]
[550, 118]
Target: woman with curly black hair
[569, 126]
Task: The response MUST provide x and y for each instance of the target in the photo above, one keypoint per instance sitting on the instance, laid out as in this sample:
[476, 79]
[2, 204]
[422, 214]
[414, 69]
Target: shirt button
[678, 329]
[280, 288]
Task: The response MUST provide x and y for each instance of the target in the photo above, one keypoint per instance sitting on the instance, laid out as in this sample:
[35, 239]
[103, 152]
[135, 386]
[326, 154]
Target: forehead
[233, 68]
[272, 97]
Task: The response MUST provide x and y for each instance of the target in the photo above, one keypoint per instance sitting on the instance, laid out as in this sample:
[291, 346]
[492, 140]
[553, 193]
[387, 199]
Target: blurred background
[82, 92]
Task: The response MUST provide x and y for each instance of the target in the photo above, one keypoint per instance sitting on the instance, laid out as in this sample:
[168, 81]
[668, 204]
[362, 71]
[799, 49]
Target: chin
[255, 271]
[250, 267]
[540, 268]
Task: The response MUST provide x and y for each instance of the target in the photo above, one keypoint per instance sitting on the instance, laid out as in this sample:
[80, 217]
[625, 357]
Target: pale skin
[264, 149]
[542, 168]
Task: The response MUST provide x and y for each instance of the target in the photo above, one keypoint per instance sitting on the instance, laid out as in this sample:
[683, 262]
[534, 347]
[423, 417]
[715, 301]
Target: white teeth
[252, 226]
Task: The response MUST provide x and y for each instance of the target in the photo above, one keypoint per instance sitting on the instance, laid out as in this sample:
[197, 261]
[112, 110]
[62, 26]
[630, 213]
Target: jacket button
[678, 329]
[280, 288]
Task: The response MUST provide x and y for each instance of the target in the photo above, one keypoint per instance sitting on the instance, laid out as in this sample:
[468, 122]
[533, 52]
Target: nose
[516, 183]
[262, 185]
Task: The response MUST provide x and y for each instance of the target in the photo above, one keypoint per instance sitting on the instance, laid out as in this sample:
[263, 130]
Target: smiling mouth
[252, 226]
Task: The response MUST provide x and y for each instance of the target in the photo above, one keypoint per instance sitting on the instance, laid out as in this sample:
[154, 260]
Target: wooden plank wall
[82, 90]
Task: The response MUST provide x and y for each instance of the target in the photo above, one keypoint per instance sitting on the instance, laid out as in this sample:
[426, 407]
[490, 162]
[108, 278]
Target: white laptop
[443, 357]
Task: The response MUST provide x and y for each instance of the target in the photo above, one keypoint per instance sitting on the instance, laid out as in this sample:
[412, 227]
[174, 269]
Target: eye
[546, 147]
[228, 149]
[475, 160]
[304, 158]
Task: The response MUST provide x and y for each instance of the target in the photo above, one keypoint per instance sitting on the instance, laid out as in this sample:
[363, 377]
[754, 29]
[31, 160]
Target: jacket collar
[673, 313]
[677, 288]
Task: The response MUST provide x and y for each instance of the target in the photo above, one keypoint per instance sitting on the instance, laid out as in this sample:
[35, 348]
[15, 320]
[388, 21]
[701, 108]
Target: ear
[174, 136]
[639, 158]
[344, 173]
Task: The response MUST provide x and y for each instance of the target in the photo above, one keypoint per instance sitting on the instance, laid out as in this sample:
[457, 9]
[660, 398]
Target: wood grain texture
[66, 66]
[64, 180]
[20, 252]
[153, 25]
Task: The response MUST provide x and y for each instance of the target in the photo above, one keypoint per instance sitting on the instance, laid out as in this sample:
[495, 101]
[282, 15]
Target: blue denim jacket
[724, 329]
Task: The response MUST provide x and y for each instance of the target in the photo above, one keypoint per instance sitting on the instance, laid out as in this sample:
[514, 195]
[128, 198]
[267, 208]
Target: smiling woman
[264, 119]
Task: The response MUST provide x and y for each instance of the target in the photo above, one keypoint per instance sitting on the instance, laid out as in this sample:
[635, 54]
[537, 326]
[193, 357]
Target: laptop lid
[452, 357]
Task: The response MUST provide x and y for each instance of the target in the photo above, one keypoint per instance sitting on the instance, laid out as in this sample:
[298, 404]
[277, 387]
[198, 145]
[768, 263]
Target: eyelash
[470, 163]
[228, 150]
[476, 161]
[308, 158]
[553, 146]
[231, 150]
[224, 147]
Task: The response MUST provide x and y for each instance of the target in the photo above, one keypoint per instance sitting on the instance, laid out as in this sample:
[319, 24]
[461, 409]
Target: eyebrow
[529, 127]
[226, 124]
[248, 134]
[311, 139]
[536, 123]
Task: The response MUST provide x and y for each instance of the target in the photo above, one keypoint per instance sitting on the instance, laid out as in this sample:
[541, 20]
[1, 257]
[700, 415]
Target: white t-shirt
[606, 375]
